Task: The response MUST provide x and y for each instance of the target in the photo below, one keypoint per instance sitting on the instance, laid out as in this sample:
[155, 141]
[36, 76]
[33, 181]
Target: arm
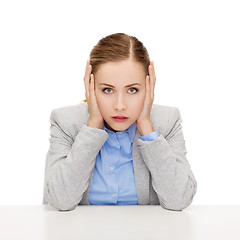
[70, 163]
[172, 178]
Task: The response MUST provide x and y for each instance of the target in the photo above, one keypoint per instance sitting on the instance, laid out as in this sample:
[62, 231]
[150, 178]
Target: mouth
[120, 118]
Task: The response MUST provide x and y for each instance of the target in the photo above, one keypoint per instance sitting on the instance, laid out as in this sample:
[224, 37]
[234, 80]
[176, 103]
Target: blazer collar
[141, 173]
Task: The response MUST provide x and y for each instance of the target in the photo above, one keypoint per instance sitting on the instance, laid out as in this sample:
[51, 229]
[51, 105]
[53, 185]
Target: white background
[44, 46]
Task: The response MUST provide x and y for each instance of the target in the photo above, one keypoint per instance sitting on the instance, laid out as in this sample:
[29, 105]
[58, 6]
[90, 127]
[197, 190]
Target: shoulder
[70, 118]
[164, 112]
[72, 112]
[164, 118]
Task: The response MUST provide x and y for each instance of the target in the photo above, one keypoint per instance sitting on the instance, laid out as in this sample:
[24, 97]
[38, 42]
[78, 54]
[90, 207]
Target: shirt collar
[131, 130]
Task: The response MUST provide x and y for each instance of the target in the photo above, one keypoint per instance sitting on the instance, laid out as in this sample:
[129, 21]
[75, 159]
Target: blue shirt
[113, 181]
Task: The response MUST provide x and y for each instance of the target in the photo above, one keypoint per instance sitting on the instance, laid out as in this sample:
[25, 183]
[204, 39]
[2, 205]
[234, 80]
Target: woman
[117, 147]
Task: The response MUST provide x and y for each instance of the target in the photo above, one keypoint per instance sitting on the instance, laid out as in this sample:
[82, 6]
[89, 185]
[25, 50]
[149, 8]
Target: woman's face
[120, 99]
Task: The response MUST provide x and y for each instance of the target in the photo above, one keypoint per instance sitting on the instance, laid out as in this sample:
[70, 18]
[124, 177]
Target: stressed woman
[117, 147]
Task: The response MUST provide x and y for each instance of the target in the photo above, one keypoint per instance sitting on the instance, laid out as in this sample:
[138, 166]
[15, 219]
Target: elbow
[178, 203]
[176, 206]
[59, 203]
[60, 206]
[65, 208]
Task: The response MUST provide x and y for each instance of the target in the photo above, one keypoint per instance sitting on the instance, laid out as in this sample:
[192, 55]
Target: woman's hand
[95, 117]
[143, 122]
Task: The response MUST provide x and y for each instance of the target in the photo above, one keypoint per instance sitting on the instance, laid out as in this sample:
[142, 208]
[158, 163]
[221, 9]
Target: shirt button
[111, 168]
[113, 195]
[114, 143]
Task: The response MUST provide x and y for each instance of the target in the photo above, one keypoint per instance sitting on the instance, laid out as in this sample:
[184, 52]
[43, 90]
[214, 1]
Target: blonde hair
[118, 47]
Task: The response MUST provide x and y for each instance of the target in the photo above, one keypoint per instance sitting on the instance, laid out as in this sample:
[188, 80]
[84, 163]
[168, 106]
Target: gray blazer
[162, 173]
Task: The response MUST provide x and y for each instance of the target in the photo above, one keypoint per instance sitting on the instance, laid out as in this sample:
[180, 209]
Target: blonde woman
[117, 147]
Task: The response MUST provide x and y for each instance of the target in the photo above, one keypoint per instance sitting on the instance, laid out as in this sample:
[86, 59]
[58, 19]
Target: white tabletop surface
[148, 222]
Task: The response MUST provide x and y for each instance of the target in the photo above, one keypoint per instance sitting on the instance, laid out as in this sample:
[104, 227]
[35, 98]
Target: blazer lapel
[141, 173]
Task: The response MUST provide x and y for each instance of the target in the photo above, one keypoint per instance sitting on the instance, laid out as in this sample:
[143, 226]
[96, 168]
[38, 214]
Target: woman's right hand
[95, 117]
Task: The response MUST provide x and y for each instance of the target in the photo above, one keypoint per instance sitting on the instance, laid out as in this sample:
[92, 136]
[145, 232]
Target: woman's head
[118, 47]
[119, 60]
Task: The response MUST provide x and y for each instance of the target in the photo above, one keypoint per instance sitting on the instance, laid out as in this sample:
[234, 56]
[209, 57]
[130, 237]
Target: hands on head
[95, 117]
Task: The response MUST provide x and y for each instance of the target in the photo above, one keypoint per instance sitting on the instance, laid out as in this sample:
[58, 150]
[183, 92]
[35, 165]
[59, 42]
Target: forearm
[172, 178]
[69, 170]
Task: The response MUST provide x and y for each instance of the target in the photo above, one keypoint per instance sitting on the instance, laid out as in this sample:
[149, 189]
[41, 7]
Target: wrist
[95, 124]
[145, 128]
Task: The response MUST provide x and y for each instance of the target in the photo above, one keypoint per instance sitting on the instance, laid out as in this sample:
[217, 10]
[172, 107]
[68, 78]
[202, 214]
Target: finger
[88, 70]
[148, 89]
[87, 87]
[87, 79]
[91, 88]
[84, 78]
[153, 69]
[154, 79]
[93, 83]
[151, 82]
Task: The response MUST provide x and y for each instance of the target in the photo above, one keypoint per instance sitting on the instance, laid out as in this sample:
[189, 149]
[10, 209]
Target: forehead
[123, 71]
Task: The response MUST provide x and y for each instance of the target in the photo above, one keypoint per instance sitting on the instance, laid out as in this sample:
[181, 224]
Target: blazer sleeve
[165, 157]
[70, 163]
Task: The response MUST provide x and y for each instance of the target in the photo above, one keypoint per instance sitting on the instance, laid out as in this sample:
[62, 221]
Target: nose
[119, 103]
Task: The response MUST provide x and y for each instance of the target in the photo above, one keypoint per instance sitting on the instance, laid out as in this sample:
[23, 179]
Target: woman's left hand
[143, 122]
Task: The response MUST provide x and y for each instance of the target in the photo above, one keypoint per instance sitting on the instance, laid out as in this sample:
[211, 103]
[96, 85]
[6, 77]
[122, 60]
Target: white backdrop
[195, 47]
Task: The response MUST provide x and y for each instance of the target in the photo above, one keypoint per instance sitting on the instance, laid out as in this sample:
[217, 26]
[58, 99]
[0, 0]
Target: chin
[122, 128]
[117, 128]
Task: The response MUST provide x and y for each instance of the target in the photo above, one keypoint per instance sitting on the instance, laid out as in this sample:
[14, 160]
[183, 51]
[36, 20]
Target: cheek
[137, 104]
[102, 101]
[99, 96]
[141, 97]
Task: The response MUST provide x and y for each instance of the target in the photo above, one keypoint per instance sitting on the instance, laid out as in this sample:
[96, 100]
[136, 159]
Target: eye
[105, 89]
[136, 90]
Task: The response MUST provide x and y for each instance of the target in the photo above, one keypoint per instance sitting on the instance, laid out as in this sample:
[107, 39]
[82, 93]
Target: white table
[148, 222]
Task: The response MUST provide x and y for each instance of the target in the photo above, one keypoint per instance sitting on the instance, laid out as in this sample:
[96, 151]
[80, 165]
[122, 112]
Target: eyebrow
[125, 86]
